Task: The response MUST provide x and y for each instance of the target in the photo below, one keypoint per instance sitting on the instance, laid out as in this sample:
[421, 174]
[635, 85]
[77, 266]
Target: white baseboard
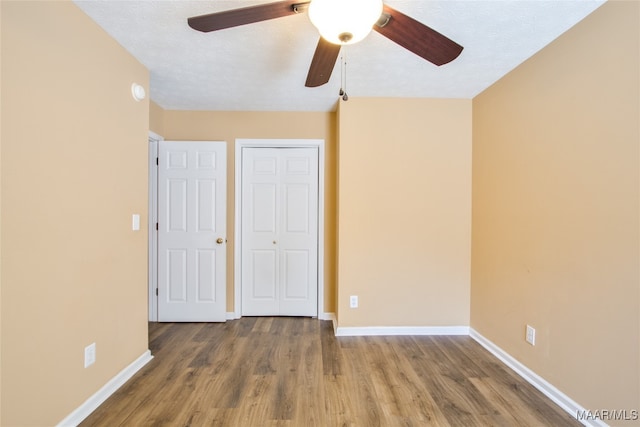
[90, 405]
[327, 316]
[347, 331]
[231, 315]
[558, 397]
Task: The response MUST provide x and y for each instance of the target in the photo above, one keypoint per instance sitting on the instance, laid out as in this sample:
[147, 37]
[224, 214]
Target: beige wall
[228, 126]
[556, 210]
[156, 118]
[404, 212]
[74, 167]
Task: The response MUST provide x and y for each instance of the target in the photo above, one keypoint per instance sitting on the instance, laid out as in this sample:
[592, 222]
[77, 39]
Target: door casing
[154, 138]
[276, 143]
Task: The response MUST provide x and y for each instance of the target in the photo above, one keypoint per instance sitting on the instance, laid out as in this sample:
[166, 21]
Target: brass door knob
[220, 240]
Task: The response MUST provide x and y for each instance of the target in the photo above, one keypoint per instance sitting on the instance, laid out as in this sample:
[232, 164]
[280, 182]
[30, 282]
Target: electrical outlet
[530, 335]
[353, 301]
[89, 355]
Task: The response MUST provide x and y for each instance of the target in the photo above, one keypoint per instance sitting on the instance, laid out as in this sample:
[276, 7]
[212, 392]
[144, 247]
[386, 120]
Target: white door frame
[276, 143]
[152, 277]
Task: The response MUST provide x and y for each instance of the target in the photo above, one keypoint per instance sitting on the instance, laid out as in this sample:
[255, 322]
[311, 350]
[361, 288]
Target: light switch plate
[135, 223]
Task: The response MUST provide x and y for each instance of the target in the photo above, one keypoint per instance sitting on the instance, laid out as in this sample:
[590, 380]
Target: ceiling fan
[348, 22]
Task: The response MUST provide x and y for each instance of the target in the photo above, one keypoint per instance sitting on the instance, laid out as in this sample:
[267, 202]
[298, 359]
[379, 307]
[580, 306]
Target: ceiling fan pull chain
[341, 76]
[343, 72]
[345, 97]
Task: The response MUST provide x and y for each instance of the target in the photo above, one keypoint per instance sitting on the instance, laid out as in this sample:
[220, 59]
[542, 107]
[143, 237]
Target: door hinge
[156, 291]
[156, 226]
[157, 161]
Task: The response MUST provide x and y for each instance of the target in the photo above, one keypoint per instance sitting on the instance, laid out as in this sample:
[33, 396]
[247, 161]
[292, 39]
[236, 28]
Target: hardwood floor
[294, 372]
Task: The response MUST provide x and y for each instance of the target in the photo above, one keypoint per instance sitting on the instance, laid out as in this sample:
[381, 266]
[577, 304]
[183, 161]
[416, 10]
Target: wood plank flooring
[278, 371]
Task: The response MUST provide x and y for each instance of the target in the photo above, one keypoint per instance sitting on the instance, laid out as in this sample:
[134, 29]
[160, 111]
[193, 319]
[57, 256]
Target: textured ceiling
[263, 66]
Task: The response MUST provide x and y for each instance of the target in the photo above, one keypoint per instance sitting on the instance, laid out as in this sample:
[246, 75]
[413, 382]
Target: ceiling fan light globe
[336, 18]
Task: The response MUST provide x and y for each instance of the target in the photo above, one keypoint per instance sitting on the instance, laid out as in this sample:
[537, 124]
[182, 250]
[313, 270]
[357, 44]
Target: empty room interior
[509, 219]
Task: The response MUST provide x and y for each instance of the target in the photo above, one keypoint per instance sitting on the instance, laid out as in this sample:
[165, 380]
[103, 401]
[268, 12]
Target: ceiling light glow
[344, 21]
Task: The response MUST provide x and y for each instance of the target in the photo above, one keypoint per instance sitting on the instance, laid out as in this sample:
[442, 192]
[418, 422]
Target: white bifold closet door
[279, 231]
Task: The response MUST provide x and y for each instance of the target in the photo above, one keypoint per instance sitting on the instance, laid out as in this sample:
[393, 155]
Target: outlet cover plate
[89, 355]
[353, 301]
[531, 335]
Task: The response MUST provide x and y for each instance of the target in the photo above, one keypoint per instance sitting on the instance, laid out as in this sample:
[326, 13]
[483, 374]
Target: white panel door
[191, 231]
[279, 231]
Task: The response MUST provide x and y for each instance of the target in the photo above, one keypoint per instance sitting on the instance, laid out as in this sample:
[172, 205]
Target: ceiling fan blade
[324, 59]
[245, 15]
[417, 37]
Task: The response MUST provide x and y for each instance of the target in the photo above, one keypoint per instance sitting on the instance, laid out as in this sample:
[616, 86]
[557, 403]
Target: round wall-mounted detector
[138, 92]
